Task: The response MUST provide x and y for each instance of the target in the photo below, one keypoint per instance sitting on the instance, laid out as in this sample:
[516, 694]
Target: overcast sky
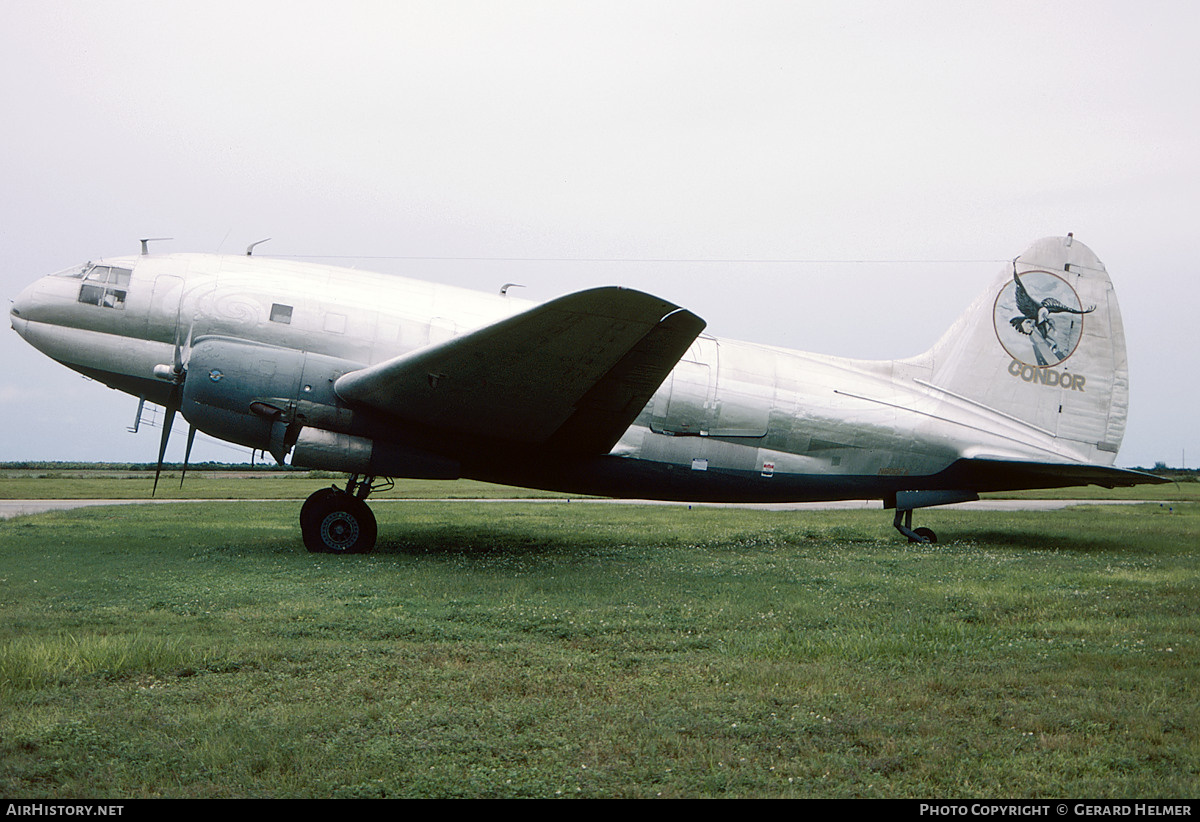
[841, 177]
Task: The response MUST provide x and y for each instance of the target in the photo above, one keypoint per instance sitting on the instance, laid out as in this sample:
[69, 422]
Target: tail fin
[1044, 345]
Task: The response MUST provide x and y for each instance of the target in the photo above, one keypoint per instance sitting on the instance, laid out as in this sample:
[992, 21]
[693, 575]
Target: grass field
[521, 649]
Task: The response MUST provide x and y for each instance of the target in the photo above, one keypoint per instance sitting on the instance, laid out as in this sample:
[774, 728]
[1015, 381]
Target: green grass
[517, 649]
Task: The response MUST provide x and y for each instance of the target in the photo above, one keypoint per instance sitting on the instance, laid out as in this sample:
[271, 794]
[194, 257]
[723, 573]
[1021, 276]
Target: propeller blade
[174, 403]
[168, 421]
[178, 352]
[183, 349]
[187, 455]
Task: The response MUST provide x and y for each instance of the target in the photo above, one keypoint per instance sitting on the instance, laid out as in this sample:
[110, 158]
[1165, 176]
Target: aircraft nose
[42, 300]
[21, 305]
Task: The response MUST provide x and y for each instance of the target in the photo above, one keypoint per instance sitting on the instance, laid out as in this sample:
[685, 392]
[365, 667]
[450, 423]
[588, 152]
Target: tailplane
[1044, 346]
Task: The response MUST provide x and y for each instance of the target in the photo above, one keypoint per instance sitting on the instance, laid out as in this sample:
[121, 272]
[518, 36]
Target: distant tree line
[36, 465]
[1161, 469]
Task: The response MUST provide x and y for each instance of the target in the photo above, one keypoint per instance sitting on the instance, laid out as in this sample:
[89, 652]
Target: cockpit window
[105, 285]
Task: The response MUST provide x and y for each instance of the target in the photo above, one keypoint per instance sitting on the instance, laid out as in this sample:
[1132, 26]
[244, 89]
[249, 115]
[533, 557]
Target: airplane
[608, 391]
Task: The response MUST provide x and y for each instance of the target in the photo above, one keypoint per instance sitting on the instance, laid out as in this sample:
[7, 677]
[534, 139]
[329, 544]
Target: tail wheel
[337, 523]
[903, 524]
[926, 535]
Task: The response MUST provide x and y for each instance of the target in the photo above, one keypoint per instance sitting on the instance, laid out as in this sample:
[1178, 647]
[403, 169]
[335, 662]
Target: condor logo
[1038, 319]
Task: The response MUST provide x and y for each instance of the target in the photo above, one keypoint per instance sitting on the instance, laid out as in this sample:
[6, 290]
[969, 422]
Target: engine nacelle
[259, 395]
[330, 451]
[282, 400]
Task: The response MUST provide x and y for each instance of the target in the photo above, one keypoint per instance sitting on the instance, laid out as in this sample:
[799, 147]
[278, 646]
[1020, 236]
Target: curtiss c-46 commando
[607, 391]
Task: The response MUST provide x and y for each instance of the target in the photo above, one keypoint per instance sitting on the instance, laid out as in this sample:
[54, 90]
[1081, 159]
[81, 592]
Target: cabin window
[105, 286]
[281, 314]
[335, 323]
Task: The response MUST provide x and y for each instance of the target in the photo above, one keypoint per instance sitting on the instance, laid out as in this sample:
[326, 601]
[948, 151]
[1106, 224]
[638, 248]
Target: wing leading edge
[570, 375]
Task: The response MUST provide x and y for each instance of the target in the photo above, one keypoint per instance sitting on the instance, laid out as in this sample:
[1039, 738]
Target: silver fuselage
[733, 421]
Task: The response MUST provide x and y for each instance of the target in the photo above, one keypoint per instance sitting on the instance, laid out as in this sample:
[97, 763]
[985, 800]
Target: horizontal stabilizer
[1011, 475]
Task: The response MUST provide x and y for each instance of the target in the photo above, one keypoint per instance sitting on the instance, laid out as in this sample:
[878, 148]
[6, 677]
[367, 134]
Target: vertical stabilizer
[1044, 345]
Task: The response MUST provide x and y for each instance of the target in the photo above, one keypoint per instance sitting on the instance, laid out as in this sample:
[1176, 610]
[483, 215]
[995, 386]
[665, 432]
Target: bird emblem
[1037, 316]
[1038, 312]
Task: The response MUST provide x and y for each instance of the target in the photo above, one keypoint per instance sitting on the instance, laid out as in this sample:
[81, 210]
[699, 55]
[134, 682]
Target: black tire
[338, 523]
[314, 503]
[927, 533]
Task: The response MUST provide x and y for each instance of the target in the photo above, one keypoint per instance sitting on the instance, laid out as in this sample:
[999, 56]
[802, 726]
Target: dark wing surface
[570, 375]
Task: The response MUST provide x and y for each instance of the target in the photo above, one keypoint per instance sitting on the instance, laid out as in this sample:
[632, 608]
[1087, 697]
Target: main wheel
[335, 522]
[314, 503]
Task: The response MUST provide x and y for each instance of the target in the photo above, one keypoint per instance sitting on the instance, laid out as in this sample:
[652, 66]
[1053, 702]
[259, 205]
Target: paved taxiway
[21, 507]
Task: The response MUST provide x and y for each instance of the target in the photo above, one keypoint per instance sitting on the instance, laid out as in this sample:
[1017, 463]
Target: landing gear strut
[338, 521]
[905, 501]
[905, 527]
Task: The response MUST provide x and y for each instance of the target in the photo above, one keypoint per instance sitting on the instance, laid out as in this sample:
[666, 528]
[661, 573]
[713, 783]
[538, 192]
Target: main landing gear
[338, 521]
[914, 534]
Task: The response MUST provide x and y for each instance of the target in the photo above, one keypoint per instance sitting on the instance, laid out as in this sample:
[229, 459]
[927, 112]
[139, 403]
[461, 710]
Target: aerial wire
[718, 260]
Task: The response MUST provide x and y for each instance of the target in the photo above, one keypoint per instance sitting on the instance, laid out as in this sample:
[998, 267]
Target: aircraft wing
[571, 374]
